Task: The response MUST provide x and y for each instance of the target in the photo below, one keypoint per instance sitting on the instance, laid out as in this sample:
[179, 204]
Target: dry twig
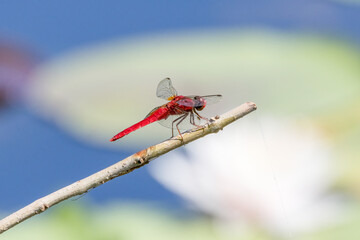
[123, 167]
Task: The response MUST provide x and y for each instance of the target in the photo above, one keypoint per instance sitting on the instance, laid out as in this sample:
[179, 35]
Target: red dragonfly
[175, 111]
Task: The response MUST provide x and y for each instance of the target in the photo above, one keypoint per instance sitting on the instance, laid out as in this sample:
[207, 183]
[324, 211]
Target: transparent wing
[211, 99]
[191, 101]
[165, 90]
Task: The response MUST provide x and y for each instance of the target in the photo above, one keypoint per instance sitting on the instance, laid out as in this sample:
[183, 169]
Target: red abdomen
[160, 113]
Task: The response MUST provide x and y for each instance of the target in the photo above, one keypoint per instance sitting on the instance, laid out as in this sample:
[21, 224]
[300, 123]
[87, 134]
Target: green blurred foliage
[140, 221]
[119, 221]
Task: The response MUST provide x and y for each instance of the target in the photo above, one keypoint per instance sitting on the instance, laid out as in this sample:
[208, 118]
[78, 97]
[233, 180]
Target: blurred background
[75, 73]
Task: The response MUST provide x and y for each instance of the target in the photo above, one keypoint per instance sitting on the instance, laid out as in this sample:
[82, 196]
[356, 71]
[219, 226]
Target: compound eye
[200, 103]
[199, 108]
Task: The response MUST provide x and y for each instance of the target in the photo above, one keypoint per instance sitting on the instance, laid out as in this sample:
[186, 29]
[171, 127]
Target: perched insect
[175, 111]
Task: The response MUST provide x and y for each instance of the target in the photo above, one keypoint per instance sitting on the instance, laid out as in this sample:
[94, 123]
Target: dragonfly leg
[192, 119]
[172, 125]
[177, 124]
[198, 115]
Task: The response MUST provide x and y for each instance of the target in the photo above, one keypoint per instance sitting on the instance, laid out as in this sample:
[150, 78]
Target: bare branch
[123, 167]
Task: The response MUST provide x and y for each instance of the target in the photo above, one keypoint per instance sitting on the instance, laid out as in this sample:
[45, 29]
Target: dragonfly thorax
[188, 103]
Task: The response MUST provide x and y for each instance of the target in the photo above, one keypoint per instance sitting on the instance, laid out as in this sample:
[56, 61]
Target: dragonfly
[175, 111]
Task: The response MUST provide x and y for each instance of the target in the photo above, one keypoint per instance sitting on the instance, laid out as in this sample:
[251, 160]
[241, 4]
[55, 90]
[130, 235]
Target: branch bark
[125, 166]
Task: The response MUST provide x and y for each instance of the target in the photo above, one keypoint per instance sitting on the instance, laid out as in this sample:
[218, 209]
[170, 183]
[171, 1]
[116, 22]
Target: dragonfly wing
[211, 99]
[191, 101]
[165, 90]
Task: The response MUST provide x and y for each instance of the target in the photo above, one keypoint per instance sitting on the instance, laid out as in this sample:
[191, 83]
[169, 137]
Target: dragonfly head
[199, 103]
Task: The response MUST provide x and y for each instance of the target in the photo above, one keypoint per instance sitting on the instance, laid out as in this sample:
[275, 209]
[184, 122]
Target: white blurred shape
[271, 175]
